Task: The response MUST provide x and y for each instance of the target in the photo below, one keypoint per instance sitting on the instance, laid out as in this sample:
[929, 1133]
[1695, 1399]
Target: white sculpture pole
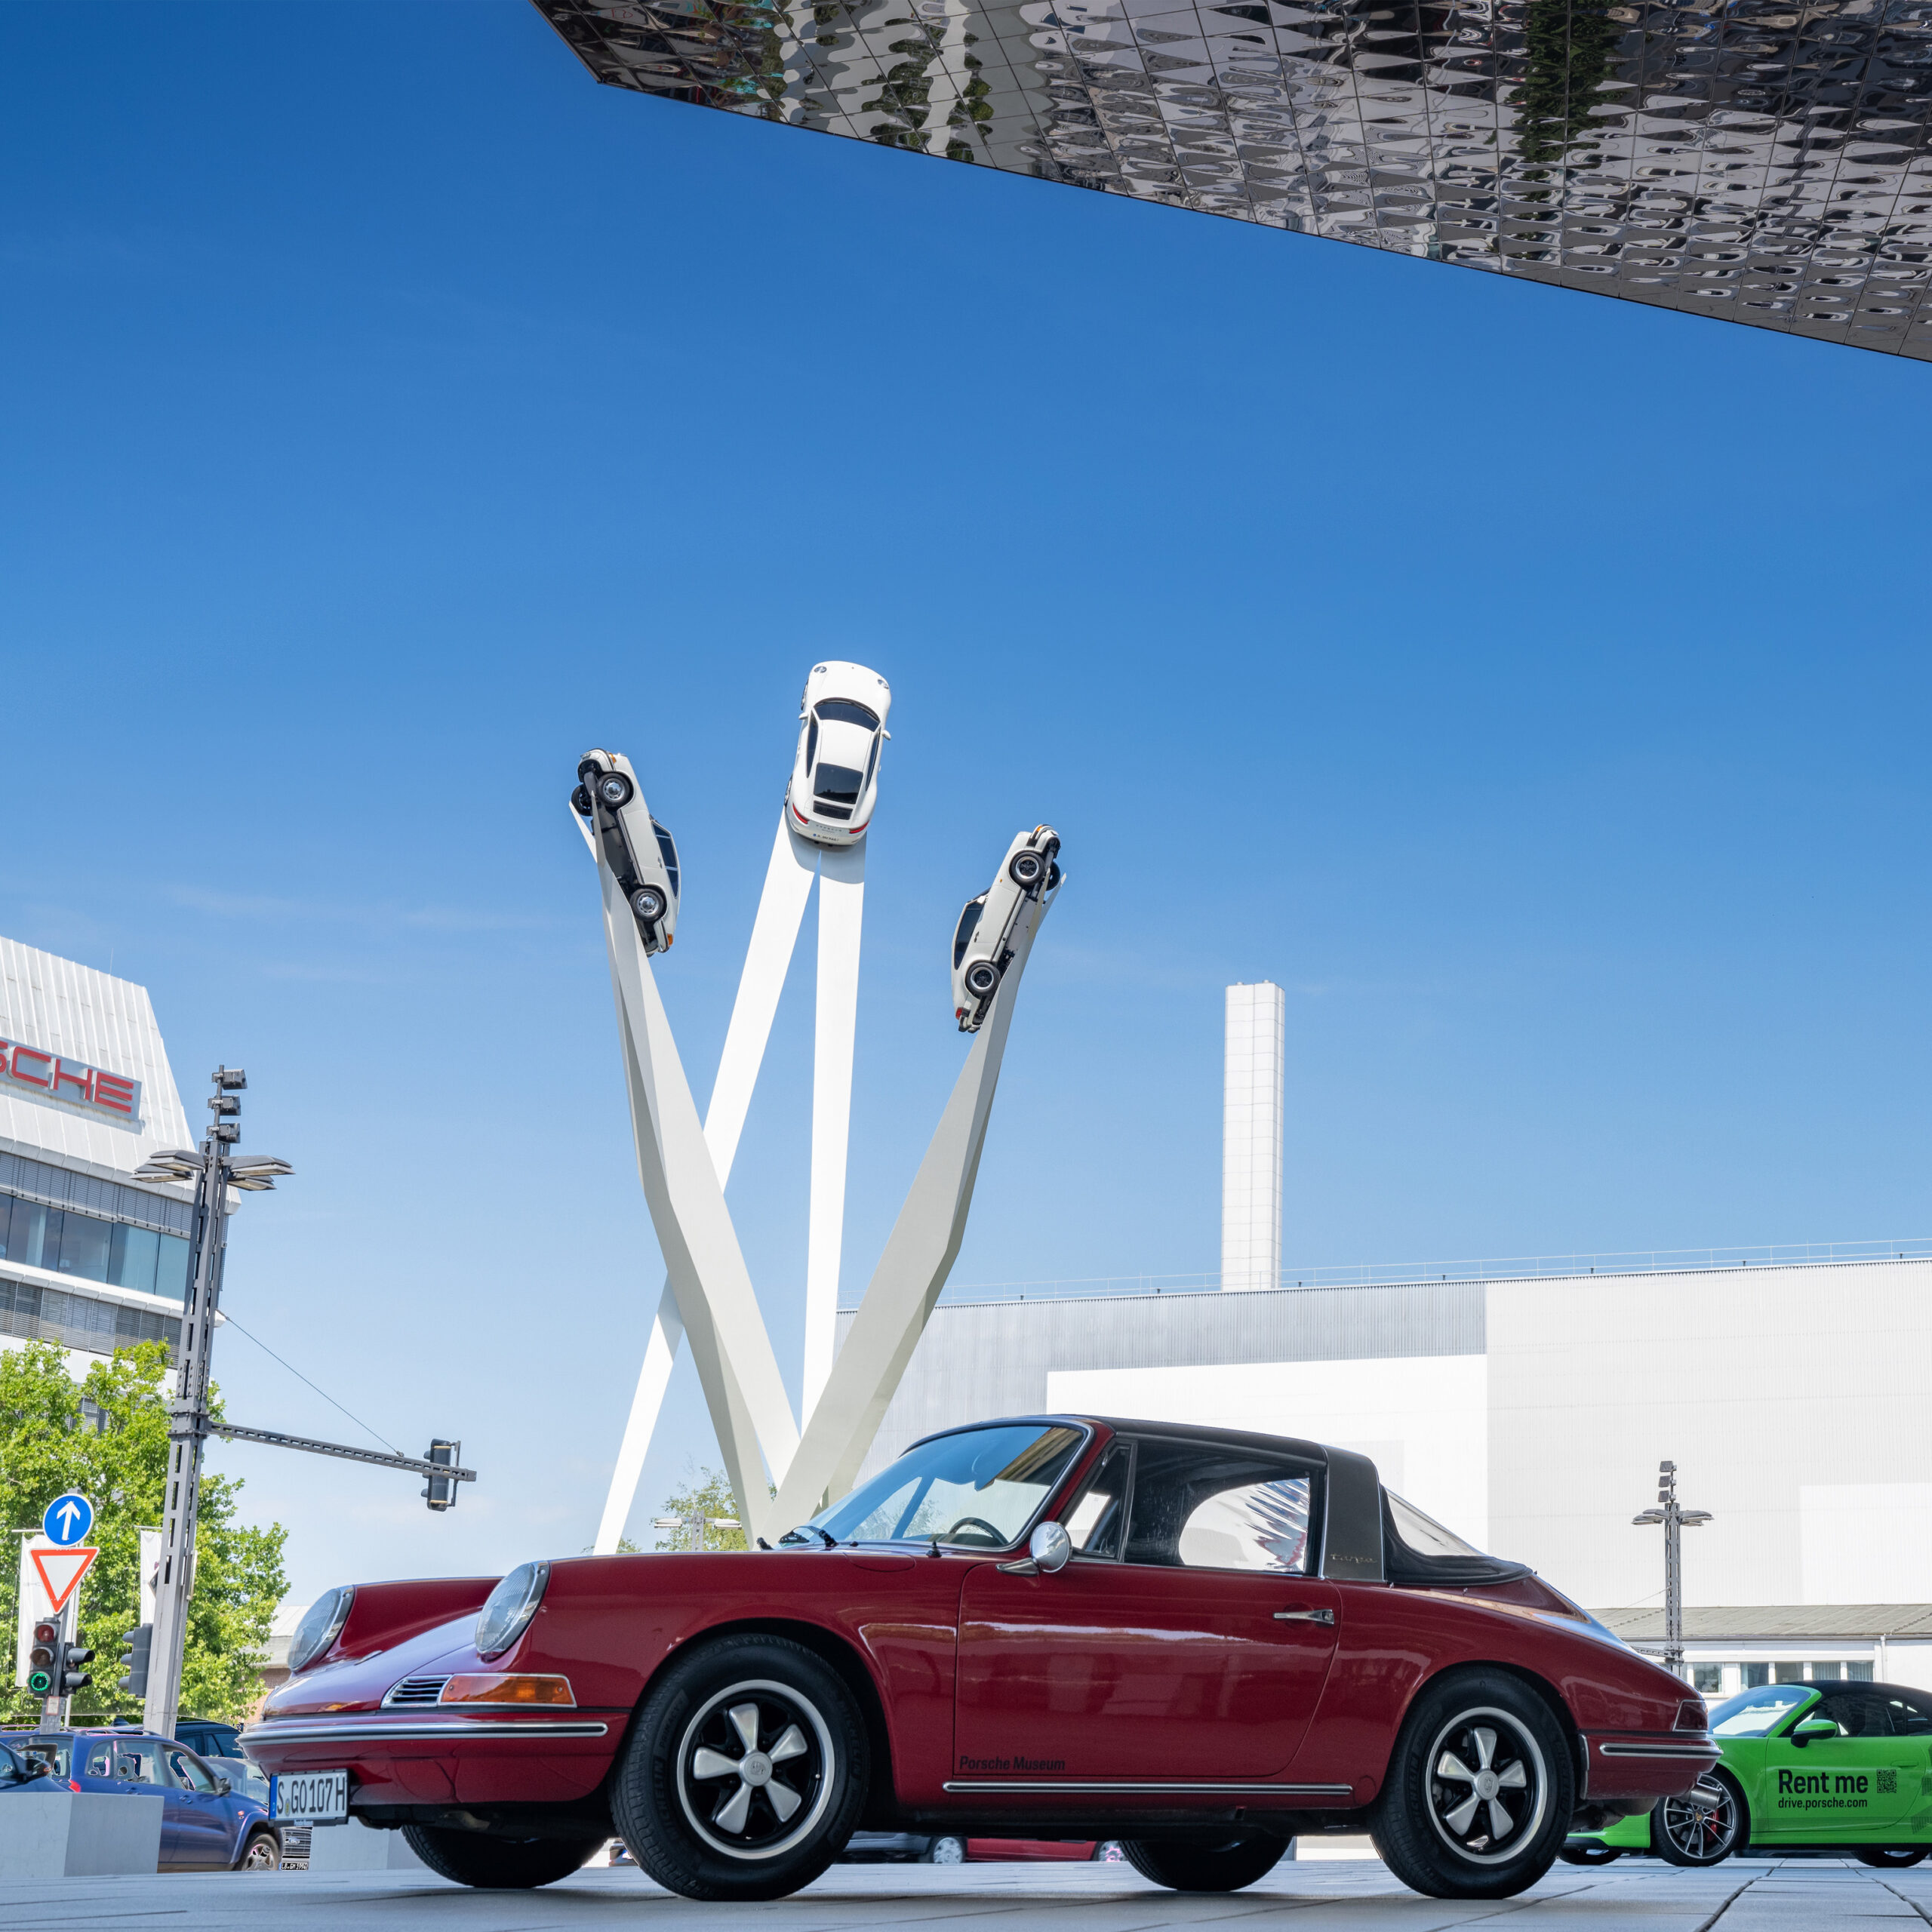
[913, 1270]
[841, 905]
[715, 1302]
[781, 909]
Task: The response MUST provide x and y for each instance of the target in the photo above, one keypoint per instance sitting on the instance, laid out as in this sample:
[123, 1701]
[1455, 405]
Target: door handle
[1304, 1617]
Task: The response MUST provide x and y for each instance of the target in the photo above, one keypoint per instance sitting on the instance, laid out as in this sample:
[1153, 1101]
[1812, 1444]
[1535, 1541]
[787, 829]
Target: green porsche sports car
[1805, 1766]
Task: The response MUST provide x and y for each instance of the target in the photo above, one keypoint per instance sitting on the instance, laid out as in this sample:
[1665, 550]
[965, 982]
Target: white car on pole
[982, 942]
[639, 851]
[835, 773]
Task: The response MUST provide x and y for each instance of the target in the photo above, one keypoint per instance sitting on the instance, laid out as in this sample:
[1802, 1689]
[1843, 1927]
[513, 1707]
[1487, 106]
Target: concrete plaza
[1354, 1895]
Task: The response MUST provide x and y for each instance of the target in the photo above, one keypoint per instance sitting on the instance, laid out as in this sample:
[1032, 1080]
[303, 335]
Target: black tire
[672, 1799]
[494, 1864]
[580, 802]
[1444, 1835]
[263, 1853]
[1207, 1865]
[1026, 869]
[1892, 1857]
[1588, 1854]
[1703, 1828]
[982, 978]
[615, 790]
[647, 902]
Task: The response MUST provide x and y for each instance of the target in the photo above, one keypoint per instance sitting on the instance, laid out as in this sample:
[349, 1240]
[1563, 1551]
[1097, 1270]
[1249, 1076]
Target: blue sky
[1534, 685]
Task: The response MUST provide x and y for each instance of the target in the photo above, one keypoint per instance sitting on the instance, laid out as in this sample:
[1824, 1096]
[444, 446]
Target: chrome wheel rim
[755, 1770]
[1703, 1825]
[949, 1851]
[1487, 1785]
[260, 1857]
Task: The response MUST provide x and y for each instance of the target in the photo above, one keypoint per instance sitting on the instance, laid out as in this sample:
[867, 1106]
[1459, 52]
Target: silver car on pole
[982, 941]
[640, 852]
[834, 772]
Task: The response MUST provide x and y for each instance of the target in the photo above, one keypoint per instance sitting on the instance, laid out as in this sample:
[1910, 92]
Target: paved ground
[1335, 1896]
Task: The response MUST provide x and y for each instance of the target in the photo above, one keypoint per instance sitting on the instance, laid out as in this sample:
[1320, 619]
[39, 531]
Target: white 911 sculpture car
[835, 775]
[982, 942]
[641, 854]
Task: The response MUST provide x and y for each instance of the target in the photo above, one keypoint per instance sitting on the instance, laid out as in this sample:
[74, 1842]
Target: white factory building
[87, 1259]
[1529, 1411]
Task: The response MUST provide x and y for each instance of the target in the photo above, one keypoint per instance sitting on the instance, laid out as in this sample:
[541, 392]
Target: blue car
[205, 1826]
[23, 1777]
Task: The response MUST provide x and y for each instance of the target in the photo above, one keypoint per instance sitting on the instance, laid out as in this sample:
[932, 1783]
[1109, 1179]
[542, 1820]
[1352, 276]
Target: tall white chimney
[1252, 1137]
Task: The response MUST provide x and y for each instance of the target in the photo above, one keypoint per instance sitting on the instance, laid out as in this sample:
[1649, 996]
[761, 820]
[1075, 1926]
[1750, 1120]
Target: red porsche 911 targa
[1200, 1642]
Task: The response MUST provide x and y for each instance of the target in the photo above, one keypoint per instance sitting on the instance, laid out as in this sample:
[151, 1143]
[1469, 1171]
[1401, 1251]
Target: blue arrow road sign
[67, 1519]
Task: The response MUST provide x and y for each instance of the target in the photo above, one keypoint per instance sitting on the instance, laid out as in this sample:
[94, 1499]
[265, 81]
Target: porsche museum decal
[1012, 1763]
[1834, 1791]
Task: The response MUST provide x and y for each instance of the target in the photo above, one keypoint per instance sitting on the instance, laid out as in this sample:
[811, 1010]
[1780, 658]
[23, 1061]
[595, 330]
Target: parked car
[1199, 1641]
[834, 789]
[25, 1776]
[642, 855]
[1805, 1767]
[205, 1824]
[983, 939]
[209, 1737]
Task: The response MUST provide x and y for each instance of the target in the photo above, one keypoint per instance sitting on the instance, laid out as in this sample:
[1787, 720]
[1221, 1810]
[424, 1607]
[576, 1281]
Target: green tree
[106, 1435]
[708, 1494]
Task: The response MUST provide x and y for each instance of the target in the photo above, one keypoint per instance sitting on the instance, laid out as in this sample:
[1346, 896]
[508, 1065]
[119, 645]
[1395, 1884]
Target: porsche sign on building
[87, 1258]
[1530, 1414]
[1762, 162]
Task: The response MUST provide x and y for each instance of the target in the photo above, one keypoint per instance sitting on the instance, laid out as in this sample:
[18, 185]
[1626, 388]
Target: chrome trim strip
[1690, 1747]
[1136, 1784]
[295, 1733]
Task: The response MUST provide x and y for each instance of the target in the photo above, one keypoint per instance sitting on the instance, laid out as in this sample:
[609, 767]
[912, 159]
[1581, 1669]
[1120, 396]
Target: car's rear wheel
[494, 1864]
[981, 976]
[647, 902]
[1026, 869]
[1207, 1865]
[263, 1853]
[615, 790]
[946, 1851]
[1589, 1854]
[1480, 1788]
[1893, 1857]
[745, 1772]
[1703, 1827]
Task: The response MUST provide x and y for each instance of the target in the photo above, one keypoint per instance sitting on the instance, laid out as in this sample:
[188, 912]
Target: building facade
[88, 1258]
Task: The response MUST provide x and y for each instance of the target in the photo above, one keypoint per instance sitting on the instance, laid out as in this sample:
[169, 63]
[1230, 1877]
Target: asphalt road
[1340, 1896]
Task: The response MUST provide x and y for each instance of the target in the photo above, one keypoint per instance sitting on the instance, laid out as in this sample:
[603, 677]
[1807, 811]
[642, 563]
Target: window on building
[1826, 1673]
[1859, 1673]
[1787, 1673]
[66, 1242]
[1753, 1676]
[1707, 1678]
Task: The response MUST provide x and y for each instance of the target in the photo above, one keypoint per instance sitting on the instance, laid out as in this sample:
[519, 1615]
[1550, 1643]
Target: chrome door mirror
[1047, 1550]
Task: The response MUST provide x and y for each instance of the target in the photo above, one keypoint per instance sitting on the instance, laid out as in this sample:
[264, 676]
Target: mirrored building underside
[1766, 163]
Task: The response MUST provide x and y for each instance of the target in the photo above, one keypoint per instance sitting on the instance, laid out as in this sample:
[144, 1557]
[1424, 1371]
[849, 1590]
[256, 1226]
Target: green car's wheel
[1587, 1852]
[1704, 1827]
[1893, 1857]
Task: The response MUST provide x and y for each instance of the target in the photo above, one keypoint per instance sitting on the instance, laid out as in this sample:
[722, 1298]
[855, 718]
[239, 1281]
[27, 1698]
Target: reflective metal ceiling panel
[1764, 162]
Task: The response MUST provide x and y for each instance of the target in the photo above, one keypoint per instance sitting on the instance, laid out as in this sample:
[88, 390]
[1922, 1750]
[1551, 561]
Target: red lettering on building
[82, 1081]
[31, 1053]
[111, 1090]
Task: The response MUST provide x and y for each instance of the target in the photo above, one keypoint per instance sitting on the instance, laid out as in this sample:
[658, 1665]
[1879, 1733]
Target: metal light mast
[1675, 1518]
[214, 1172]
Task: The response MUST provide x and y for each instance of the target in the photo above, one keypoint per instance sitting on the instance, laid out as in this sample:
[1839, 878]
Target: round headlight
[508, 1609]
[321, 1627]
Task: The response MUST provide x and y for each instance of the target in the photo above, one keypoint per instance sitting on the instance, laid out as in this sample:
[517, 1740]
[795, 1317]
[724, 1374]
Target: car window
[969, 922]
[842, 711]
[188, 1772]
[48, 1750]
[811, 743]
[1202, 1505]
[138, 1760]
[839, 782]
[1098, 1513]
[100, 1758]
[1758, 1711]
[13, 1766]
[977, 1488]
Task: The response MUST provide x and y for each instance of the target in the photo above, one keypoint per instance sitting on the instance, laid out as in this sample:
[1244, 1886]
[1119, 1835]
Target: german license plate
[311, 1797]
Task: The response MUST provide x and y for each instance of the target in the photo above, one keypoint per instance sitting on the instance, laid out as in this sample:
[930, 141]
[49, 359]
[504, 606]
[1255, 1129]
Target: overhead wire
[323, 1393]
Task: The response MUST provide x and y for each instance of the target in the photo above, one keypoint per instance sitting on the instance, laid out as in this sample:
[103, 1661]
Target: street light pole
[213, 1171]
[1676, 1519]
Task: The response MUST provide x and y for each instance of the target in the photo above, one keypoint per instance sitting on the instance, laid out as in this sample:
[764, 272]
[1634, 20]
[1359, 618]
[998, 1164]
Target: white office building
[87, 1258]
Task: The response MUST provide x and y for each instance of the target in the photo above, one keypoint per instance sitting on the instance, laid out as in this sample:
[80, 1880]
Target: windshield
[1424, 1534]
[978, 1489]
[841, 711]
[53, 1751]
[1759, 1712]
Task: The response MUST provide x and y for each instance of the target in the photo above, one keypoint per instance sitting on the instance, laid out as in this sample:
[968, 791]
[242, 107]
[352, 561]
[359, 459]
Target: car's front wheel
[745, 1772]
[1892, 1857]
[263, 1853]
[1480, 1788]
[1703, 1827]
[1212, 1865]
[494, 1864]
[946, 1851]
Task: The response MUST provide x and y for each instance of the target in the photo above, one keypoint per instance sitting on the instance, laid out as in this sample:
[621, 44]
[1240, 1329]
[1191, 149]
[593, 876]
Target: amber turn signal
[497, 1687]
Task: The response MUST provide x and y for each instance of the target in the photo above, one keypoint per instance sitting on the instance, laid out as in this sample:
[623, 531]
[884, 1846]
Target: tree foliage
[707, 1494]
[106, 1436]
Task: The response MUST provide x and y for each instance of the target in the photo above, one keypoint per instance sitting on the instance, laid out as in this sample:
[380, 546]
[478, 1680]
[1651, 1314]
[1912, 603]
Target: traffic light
[137, 1647]
[72, 1677]
[44, 1659]
[440, 1491]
